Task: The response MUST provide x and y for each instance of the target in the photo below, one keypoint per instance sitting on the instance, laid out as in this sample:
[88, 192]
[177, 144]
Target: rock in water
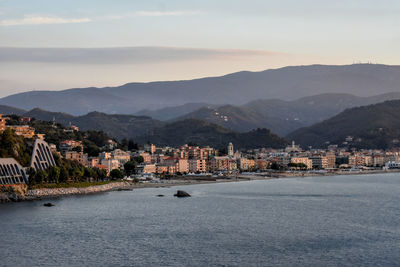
[181, 193]
[48, 204]
[160, 195]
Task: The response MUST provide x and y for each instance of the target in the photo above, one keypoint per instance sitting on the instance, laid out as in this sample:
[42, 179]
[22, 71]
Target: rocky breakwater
[55, 192]
[13, 193]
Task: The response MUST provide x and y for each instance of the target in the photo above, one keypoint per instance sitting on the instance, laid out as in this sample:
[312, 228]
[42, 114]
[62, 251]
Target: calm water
[334, 221]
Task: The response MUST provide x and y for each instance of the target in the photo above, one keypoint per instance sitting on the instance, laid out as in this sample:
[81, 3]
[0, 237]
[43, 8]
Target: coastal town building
[151, 148]
[111, 164]
[68, 145]
[3, 122]
[25, 119]
[80, 157]
[120, 155]
[219, 163]
[197, 165]
[303, 160]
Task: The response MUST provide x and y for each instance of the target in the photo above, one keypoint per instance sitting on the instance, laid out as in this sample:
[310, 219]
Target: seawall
[54, 192]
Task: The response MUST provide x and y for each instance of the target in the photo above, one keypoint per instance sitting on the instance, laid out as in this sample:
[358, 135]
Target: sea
[317, 221]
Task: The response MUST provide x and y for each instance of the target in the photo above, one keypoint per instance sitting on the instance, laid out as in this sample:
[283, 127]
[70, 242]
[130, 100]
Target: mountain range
[282, 117]
[11, 110]
[115, 125]
[373, 126]
[208, 134]
[143, 129]
[239, 88]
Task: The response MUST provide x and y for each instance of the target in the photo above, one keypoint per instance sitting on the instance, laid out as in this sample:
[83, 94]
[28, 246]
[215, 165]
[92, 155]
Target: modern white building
[42, 158]
[11, 172]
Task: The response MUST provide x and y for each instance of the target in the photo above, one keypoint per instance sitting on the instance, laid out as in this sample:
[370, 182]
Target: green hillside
[205, 133]
[373, 126]
[117, 126]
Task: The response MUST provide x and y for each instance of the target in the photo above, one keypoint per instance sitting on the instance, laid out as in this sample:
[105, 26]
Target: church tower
[230, 150]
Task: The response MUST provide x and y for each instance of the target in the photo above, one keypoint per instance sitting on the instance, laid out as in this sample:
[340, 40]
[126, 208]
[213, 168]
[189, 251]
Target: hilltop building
[23, 130]
[80, 157]
[293, 148]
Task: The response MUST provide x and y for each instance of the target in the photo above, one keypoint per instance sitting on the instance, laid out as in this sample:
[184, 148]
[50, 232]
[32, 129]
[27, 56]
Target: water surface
[333, 221]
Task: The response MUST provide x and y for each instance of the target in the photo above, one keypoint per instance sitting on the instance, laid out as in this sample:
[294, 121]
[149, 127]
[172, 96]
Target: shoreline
[51, 193]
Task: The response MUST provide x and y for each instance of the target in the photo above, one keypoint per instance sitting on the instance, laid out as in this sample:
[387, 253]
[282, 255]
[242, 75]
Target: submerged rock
[124, 189]
[160, 195]
[48, 204]
[181, 193]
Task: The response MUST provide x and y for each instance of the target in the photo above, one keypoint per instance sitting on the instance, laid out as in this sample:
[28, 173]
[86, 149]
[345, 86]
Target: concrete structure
[111, 164]
[378, 160]
[219, 163]
[183, 166]
[146, 157]
[42, 158]
[146, 168]
[150, 148]
[122, 156]
[78, 156]
[306, 161]
[319, 162]
[331, 157]
[11, 172]
[197, 165]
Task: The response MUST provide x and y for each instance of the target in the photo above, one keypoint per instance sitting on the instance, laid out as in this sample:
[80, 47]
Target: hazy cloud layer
[129, 55]
[38, 20]
[166, 13]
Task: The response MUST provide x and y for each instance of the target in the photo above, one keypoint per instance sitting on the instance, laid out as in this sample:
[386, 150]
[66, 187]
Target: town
[151, 163]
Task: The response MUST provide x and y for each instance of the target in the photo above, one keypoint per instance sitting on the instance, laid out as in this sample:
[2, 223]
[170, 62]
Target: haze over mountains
[287, 83]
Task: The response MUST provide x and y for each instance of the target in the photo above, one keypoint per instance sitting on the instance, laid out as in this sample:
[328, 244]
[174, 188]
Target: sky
[54, 45]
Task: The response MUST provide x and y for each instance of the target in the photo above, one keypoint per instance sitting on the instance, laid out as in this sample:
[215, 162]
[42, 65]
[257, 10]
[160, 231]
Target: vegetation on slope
[205, 133]
[373, 126]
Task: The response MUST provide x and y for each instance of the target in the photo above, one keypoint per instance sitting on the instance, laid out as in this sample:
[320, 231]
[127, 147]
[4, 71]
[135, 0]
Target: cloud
[123, 55]
[166, 13]
[38, 20]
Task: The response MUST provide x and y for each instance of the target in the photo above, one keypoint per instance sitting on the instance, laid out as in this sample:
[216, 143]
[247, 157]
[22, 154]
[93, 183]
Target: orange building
[23, 130]
[2, 123]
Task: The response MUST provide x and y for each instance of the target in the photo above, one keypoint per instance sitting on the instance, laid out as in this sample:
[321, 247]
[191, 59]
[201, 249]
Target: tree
[275, 166]
[138, 159]
[116, 174]
[64, 175]
[130, 167]
[77, 149]
[101, 173]
[53, 174]
[132, 145]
